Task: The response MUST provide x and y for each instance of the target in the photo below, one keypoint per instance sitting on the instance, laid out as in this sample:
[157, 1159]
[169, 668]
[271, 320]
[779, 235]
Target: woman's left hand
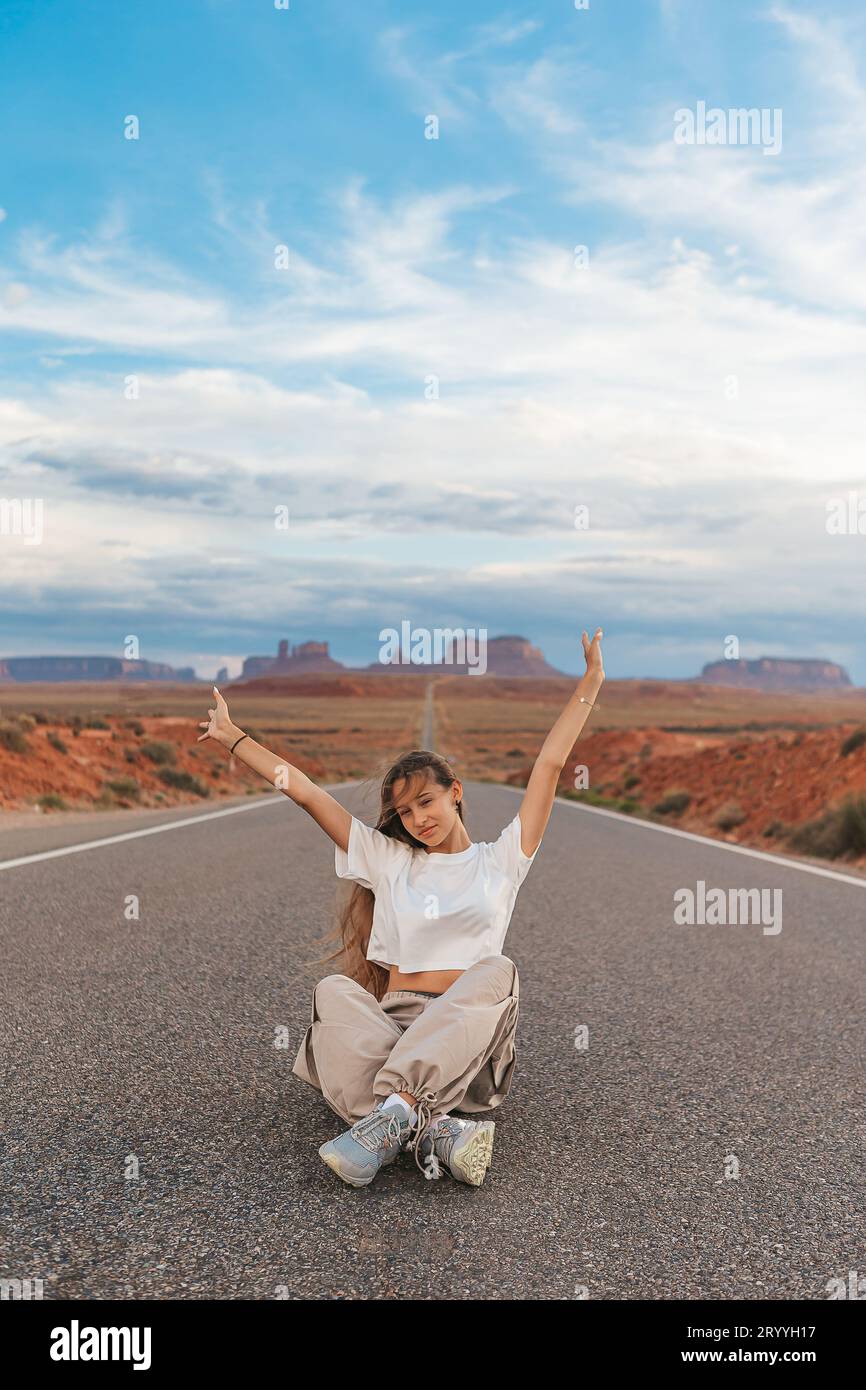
[592, 652]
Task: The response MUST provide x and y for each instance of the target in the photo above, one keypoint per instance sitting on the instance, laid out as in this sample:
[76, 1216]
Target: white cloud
[825, 49]
[428, 81]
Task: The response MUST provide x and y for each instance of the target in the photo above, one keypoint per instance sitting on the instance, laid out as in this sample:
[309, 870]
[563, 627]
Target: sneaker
[465, 1147]
[374, 1141]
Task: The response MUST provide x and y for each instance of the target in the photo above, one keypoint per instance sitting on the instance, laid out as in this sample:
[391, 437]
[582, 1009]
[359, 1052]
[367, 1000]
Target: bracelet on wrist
[237, 741]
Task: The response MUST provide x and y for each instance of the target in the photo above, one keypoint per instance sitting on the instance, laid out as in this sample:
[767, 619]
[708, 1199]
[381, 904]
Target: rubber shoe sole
[470, 1160]
[333, 1162]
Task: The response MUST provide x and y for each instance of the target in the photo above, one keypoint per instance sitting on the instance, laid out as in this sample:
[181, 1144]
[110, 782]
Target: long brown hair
[355, 918]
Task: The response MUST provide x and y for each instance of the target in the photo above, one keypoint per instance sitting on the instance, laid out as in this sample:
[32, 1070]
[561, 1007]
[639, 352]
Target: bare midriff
[433, 981]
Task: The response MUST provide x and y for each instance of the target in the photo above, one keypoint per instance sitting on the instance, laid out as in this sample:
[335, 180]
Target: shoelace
[442, 1133]
[381, 1126]
[430, 1166]
[447, 1131]
[377, 1128]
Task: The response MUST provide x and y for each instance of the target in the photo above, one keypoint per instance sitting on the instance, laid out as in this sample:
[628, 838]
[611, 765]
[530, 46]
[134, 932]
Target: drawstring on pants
[431, 1167]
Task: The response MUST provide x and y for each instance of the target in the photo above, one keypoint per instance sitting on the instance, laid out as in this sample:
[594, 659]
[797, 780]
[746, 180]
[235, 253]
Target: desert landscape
[783, 772]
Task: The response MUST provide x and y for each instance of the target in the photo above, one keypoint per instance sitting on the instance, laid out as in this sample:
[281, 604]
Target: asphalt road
[152, 1041]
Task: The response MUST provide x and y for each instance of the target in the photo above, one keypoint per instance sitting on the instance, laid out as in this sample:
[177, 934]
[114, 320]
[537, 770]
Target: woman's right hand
[219, 726]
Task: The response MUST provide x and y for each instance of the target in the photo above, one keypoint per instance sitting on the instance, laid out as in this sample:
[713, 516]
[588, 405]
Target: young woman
[424, 1019]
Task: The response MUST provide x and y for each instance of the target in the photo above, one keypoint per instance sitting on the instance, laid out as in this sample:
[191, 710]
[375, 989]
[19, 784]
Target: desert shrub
[96, 723]
[183, 781]
[631, 780]
[131, 755]
[12, 736]
[57, 742]
[646, 751]
[854, 740]
[729, 815]
[124, 786]
[672, 804]
[40, 718]
[51, 802]
[514, 753]
[159, 751]
[135, 725]
[841, 830]
[25, 722]
[775, 830]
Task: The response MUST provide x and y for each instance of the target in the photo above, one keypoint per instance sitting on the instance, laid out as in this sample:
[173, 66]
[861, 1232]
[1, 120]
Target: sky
[441, 314]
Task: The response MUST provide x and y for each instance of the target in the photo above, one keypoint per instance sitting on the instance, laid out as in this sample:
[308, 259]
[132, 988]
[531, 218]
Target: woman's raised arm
[537, 802]
[325, 810]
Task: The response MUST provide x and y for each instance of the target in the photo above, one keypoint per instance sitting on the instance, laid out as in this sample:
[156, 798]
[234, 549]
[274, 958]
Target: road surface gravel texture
[152, 1041]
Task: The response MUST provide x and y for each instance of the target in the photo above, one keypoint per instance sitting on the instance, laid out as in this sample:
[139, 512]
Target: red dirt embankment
[768, 783]
[81, 776]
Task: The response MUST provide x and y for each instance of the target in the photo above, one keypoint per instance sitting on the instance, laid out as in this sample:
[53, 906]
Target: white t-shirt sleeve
[370, 855]
[509, 856]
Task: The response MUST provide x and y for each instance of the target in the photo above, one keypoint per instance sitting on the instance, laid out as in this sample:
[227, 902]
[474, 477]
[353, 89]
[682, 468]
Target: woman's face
[427, 810]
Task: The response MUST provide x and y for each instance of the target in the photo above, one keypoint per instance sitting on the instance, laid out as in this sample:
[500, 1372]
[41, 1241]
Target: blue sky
[697, 383]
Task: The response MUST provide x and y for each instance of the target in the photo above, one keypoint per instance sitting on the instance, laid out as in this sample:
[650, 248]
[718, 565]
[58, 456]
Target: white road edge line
[701, 839]
[154, 829]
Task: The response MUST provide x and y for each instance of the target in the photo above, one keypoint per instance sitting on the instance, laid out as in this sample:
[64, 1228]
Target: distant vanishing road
[147, 1046]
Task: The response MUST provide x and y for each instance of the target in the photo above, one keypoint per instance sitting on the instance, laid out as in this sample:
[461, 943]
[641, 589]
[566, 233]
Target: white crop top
[435, 911]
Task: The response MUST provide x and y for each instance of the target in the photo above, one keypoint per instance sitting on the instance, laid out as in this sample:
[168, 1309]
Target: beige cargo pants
[452, 1051]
